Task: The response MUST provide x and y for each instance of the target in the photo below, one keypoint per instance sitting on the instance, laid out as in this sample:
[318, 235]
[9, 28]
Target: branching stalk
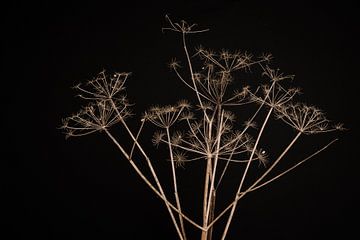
[210, 131]
[147, 182]
[175, 184]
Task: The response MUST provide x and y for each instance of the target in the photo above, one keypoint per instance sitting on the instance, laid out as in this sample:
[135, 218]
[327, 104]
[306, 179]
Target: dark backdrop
[81, 188]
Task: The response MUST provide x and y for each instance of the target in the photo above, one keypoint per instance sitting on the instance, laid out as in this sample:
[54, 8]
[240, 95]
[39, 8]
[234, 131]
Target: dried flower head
[180, 159]
[174, 64]
[158, 137]
[187, 115]
[250, 124]
[177, 138]
[166, 116]
[182, 27]
[184, 104]
[229, 116]
[267, 57]
[225, 60]
[275, 95]
[306, 119]
[275, 74]
[103, 87]
[262, 156]
[94, 117]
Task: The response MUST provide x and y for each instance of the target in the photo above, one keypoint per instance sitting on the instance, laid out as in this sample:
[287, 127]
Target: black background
[80, 188]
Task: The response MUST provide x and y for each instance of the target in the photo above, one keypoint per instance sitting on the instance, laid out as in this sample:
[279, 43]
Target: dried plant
[210, 131]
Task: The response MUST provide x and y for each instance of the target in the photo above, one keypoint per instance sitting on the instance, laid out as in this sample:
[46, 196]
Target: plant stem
[213, 174]
[211, 217]
[276, 162]
[192, 75]
[257, 181]
[175, 183]
[138, 171]
[206, 192]
[207, 138]
[137, 137]
[253, 185]
[291, 168]
[245, 173]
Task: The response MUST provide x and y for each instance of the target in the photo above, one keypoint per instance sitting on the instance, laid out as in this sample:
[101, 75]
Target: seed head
[306, 119]
[180, 159]
[158, 137]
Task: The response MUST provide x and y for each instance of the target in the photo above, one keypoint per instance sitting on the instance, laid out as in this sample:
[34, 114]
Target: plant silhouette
[209, 130]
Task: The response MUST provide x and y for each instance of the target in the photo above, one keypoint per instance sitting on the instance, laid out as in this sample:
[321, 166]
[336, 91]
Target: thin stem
[291, 168]
[191, 87]
[146, 181]
[184, 148]
[259, 179]
[247, 126]
[276, 161]
[206, 192]
[137, 137]
[212, 183]
[207, 175]
[195, 135]
[192, 75]
[146, 157]
[175, 183]
[211, 217]
[245, 173]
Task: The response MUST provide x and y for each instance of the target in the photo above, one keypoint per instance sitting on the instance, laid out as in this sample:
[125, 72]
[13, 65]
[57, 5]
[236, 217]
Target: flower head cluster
[216, 73]
[165, 117]
[275, 95]
[107, 106]
[225, 60]
[306, 119]
[193, 142]
[206, 132]
[275, 74]
[103, 87]
[182, 27]
[94, 117]
[180, 158]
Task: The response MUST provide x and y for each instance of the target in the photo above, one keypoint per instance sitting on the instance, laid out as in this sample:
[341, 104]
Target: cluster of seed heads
[306, 119]
[209, 130]
[107, 106]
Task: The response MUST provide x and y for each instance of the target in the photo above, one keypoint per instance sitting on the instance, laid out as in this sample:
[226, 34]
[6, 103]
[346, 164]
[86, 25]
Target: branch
[138, 171]
[175, 183]
[259, 179]
[291, 168]
[245, 173]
